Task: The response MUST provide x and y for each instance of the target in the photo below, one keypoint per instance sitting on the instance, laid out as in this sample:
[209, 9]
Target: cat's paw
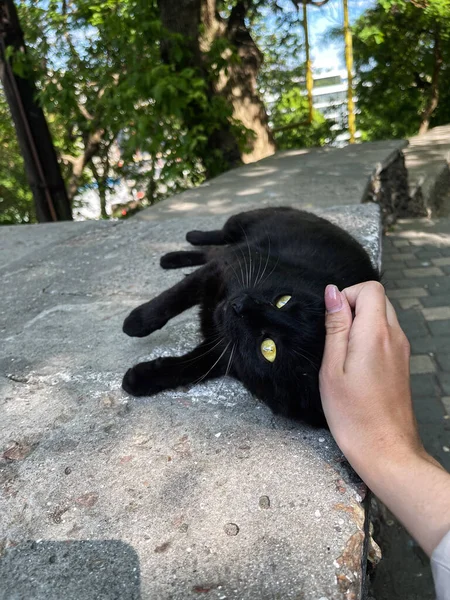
[142, 379]
[140, 323]
[171, 260]
[195, 237]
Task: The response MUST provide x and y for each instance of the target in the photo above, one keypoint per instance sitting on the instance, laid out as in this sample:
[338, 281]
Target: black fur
[267, 253]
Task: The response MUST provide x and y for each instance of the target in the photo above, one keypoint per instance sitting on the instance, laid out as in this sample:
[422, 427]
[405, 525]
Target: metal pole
[349, 65]
[309, 76]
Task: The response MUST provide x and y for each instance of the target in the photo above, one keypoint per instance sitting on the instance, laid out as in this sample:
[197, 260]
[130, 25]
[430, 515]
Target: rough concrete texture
[428, 162]
[310, 178]
[195, 492]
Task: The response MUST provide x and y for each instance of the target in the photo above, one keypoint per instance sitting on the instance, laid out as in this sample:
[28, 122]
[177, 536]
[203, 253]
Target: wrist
[416, 489]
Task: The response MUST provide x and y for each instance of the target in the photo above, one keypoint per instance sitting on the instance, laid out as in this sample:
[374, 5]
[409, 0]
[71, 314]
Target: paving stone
[446, 270]
[403, 256]
[428, 409]
[444, 381]
[418, 292]
[438, 300]
[424, 385]
[423, 272]
[441, 261]
[414, 263]
[412, 323]
[421, 363]
[429, 343]
[425, 282]
[407, 303]
[438, 313]
[446, 403]
[439, 327]
[401, 243]
[391, 275]
[443, 360]
[440, 286]
[435, 436]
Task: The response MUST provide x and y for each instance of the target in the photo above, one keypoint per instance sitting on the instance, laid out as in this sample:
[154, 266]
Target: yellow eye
[269, 350]
[282, 301]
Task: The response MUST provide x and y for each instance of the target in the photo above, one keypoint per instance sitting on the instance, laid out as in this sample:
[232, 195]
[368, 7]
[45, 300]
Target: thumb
[338, 321]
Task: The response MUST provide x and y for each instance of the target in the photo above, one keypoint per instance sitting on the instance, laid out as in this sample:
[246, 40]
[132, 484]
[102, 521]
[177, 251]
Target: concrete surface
[427, 159]
[310, 178]
[422, 305]
[197, 492]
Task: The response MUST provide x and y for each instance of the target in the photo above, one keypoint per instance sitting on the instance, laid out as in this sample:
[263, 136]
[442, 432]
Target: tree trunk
[238, 86]
[78, 164]
[433, 99]
[41, 164]
[241, 90]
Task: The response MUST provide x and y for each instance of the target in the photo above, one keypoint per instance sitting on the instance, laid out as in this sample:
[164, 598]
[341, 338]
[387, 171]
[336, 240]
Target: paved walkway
[416, 274]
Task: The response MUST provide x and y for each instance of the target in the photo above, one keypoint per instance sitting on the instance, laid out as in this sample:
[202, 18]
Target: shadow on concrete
[70, 570]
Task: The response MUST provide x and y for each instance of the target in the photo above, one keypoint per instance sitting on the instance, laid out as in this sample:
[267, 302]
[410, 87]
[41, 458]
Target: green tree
[293, 109]
[402, 62]
[16, 201]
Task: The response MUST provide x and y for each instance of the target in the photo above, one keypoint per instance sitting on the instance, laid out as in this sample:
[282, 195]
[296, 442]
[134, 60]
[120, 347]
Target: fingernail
[333, 300]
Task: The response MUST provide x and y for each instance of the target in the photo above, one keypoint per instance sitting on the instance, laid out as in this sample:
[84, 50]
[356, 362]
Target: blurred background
[143, 99]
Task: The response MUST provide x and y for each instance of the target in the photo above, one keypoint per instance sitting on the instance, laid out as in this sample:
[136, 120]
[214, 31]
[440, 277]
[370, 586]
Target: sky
[326, 54]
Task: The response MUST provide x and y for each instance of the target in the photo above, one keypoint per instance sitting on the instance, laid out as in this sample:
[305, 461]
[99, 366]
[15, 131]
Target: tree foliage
[402, 60]
[291, 126]
[16, 204]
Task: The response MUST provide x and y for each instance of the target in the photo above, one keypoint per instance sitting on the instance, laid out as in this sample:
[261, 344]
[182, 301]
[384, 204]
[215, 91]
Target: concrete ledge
[309, 178]
[428, 164]
[205, 489]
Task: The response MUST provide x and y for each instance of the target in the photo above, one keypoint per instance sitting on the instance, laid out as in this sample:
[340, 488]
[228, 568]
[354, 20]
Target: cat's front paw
[142, 379]
[139, 323]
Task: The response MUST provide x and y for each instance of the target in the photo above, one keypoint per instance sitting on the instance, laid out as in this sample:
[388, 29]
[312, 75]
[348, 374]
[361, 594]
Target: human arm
[364, 382]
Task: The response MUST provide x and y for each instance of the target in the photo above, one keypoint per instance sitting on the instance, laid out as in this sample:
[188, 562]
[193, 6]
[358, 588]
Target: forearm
[416, 489]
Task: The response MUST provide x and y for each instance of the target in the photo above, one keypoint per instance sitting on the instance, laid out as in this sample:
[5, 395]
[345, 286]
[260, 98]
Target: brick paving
[416, 261]
[416, 265]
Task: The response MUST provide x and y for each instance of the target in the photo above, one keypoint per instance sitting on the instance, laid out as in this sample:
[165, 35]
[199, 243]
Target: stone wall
[388, 187]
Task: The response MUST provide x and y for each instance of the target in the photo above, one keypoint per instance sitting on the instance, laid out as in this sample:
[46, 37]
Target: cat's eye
[282, 301]
[269, 350]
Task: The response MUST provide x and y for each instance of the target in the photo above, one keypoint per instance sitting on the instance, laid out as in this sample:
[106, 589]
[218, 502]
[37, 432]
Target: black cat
[262, 307]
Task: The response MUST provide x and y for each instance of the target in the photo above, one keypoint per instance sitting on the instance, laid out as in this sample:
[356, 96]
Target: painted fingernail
[333, 299]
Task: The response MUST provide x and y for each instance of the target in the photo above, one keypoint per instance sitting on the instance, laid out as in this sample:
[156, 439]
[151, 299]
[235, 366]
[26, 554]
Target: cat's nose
[238, 305]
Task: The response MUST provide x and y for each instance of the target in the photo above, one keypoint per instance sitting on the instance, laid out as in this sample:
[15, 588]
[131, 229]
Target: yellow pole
[349, 65]
[309, 77]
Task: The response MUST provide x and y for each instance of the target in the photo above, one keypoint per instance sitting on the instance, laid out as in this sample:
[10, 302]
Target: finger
[368, 299]
[338, 321]
[391, 314]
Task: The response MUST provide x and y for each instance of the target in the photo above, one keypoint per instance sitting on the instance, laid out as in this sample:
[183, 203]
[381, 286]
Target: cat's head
[277, 331]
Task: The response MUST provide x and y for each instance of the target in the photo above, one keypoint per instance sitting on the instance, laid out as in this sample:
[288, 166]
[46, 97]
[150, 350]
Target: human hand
[364, 378]
[365, 389]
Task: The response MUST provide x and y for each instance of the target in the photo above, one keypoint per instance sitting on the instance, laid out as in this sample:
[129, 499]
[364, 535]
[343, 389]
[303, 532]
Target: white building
[330, 98]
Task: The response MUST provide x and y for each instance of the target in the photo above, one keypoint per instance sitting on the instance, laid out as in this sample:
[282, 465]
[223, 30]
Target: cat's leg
[235, 229]
[153, 315]
[207, 361]
[207, 238]
[183, 258]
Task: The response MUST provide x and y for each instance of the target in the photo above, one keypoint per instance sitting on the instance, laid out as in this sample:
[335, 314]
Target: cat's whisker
[230, 266]
[245, 264]
[204, 353]
[241, 280]
[209, 371]
[259, 269]
[267, 261]
[228, 367]
[273, 269]
[250, 269]
[306, 358]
